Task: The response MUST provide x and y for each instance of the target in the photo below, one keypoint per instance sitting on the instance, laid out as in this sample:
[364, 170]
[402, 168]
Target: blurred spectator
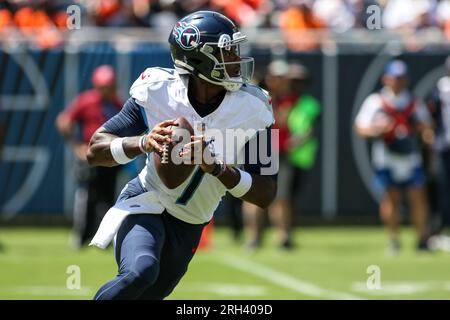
[302, 143]
[277, 83]
[6, 16]
[361, 12]
[95, 186]
[395, 120]
[338, 14]
[165, 14]
[439, 106]
[443, 16]
[296, 21]
[40, 20]
[295, 116]
[119, 13]
[188, 6]
[302, 22]
[110, 13]
[247, 13]
[407, 14]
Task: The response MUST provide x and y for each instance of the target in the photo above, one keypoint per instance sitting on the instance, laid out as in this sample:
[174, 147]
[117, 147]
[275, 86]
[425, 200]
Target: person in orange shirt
[296, 22]
[34, 21]
[6, 18]
[243, 12]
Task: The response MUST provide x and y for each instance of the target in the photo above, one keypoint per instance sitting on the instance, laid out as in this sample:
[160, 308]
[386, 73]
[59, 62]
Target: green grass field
[329, 263]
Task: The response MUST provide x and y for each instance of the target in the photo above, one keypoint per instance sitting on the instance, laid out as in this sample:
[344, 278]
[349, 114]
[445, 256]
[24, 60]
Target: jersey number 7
[188, 192]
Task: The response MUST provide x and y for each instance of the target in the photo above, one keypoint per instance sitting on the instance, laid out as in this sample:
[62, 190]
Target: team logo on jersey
[186, 35]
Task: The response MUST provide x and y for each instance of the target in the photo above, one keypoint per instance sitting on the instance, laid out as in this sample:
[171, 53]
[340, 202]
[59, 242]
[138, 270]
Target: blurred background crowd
[404, 16]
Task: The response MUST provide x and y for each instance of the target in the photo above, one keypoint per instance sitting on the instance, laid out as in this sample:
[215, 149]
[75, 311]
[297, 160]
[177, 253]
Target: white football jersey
[162, 93]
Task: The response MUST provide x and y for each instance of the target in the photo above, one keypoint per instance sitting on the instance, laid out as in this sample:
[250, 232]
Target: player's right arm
[129, 124]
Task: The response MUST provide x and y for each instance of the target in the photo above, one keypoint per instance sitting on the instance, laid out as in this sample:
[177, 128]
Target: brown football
[169, 166]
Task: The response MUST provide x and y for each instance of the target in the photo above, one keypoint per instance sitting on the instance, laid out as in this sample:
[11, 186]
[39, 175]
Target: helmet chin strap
[229, 86]
[232, 86]
[184, 68]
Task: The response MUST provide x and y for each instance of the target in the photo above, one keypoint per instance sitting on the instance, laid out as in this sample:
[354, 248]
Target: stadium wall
[35, 85]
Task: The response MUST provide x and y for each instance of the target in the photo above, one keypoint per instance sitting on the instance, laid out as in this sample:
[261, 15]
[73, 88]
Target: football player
[157, 229]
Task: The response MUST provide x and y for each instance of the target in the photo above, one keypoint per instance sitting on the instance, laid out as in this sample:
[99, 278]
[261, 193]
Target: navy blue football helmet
[198, 43]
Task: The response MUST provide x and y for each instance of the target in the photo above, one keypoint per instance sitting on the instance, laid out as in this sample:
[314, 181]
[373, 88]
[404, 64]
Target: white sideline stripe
[52, 291]
[402, 288]
[284, 280]
[226, 289]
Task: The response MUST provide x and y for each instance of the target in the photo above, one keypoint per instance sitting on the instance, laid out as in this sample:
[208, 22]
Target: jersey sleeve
[259, 158]
[130, 121]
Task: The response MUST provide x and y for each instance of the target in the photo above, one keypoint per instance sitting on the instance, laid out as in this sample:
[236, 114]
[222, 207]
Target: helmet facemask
[217, 52]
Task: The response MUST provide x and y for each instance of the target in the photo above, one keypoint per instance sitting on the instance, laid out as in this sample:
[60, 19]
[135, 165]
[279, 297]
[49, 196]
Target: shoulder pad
[259, 93]
[265, 101]
[150, 79]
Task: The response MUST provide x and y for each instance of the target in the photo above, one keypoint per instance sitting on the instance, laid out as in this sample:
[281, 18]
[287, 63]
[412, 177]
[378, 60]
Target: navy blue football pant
[152, 251]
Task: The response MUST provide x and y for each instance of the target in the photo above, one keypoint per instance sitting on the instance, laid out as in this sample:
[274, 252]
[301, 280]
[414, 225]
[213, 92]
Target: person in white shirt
[407, 14]
[396, 122]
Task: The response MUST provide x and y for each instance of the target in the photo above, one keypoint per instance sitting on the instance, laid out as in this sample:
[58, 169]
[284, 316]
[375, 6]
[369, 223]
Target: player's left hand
[197, 152]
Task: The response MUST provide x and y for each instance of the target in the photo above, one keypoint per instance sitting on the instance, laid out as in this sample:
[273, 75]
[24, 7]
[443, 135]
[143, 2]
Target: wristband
[142, 143]
[243, 185]
[117, 151]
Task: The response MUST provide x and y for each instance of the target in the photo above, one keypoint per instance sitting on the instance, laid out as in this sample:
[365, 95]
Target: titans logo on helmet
[186, 35]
